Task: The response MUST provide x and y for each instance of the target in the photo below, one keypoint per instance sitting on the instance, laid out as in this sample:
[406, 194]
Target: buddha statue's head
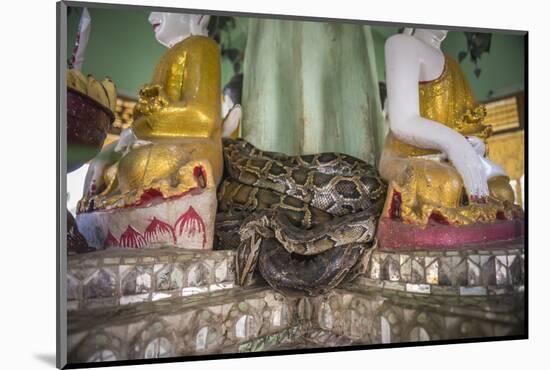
[431, 36]
[171, 28]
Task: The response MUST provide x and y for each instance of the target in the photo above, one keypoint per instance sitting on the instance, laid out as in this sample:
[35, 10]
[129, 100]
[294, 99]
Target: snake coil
[306, 222]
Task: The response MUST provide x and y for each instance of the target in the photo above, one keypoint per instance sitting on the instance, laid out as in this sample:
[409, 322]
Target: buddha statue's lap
[169, 168]
[428, 185]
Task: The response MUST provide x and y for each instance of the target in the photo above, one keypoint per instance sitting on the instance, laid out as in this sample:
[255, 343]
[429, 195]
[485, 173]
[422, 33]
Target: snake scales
[305, 222]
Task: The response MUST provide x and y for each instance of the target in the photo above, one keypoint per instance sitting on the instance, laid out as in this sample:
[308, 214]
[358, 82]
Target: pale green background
[122, 46]
[502, 70]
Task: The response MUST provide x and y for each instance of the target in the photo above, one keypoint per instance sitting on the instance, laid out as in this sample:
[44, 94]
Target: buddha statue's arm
[184, 97]
[403, 63]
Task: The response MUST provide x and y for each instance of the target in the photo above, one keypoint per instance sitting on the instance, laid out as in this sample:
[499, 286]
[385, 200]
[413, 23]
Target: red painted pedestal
[394, 234]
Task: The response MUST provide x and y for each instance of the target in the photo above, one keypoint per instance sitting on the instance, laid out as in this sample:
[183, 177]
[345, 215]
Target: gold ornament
[103, 92]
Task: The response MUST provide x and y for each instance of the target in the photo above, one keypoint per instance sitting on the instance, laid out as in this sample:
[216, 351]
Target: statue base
[185, 222]
[129, 305]
[76, 243]
[394, 234]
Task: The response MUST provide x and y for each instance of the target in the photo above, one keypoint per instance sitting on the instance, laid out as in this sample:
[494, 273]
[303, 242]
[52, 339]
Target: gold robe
[179, 113]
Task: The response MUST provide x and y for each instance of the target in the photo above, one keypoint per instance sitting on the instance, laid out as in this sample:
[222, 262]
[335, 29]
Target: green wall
[379, 36]
[234, 39]
[502, 69]
[122, 46]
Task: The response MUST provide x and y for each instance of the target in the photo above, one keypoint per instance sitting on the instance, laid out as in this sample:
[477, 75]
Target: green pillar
[311, 87]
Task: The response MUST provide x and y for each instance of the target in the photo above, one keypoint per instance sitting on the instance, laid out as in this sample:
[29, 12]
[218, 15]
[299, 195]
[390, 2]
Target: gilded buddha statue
[157, 185]
[434, 155]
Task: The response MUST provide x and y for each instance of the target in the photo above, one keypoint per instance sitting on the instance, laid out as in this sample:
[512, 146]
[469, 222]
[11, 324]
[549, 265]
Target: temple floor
[135, 304]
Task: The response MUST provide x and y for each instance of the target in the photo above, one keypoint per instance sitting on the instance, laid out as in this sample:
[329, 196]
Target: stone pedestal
[135, 304]
[492, 269]
[206, 323]
[117, 277]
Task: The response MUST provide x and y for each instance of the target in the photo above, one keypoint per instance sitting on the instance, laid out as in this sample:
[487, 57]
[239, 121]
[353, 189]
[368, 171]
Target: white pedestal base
[185, 222]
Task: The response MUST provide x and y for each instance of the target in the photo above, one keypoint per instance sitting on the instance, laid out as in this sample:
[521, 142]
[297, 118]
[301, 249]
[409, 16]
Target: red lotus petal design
[191, 223]
[131, 238]
[158, 230]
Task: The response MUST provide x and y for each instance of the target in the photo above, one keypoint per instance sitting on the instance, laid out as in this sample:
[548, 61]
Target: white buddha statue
[434, 155]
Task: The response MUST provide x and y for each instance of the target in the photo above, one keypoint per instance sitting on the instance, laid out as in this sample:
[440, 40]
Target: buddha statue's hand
[492, 169]
[477, 144]
[151, 100]
[469, 164]
[231, 121]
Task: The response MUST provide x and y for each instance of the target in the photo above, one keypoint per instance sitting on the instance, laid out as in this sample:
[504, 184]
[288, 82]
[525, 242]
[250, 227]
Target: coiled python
[304, 221]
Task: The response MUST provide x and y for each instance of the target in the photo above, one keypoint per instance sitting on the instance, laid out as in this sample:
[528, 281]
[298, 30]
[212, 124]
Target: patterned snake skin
[305, 221]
